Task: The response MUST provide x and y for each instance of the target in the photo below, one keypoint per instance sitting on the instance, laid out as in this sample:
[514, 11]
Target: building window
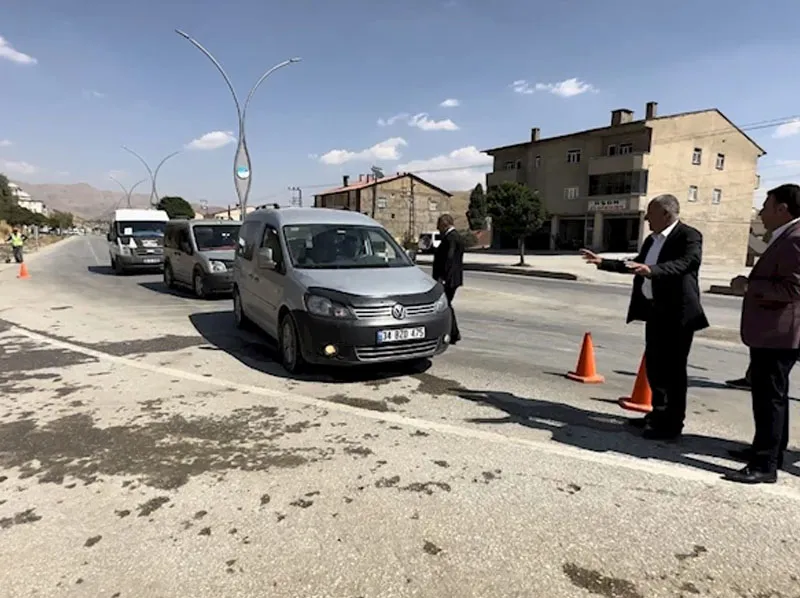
[381, 203]
[571, 192]
[758, 181]
[519, 164]
[697, 156]
[509, 166]
[537, 161]
[720, 161]
[573, 156]
[692, 193]
[625, 148]
[716, 197]
[618, 183]
[432, 205]
[612, 150]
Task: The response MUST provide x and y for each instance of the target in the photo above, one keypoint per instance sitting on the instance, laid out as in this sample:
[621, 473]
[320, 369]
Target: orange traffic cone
[641, 398]
[586, 370]
[23, 271]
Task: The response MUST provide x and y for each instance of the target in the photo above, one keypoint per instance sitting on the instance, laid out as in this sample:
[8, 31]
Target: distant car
[199, 254]
[334, 287]
[429, 241]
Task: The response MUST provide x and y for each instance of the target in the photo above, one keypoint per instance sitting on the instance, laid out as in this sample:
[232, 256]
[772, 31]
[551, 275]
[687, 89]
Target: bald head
[662, 211]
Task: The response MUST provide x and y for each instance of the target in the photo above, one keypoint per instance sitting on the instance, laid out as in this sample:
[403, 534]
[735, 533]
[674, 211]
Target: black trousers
[769, 379]
[666, 353]
[455, 334]
[17, 254]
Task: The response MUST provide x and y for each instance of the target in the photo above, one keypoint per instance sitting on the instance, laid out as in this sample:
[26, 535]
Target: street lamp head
[295, 59]
[182, 34]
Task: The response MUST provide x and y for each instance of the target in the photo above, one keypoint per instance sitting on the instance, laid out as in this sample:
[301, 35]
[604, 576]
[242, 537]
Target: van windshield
[215, 238]
[329, 246]
[141, 228]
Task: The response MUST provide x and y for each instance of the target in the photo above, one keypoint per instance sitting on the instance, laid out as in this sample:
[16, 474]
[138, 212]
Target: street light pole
[153, 173]
[128, 192]
[241, 160]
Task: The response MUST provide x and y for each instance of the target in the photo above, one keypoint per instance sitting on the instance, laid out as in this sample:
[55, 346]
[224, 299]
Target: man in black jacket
[666, 296]
[448, 265]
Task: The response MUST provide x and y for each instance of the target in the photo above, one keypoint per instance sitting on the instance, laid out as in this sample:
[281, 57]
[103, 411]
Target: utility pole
[298, 199]
[412, 214]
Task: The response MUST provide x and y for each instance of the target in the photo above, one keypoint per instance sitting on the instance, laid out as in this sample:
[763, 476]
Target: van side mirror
[108, 237]
[265, 258]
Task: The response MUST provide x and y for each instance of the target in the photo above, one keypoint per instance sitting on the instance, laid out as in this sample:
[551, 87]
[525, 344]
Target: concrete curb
[520, 271]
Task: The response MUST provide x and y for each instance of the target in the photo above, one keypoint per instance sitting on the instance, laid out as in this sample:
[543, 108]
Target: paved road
[149, 449]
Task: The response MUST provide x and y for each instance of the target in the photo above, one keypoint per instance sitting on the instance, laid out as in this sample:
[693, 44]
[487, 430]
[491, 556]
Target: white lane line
[94, 253]
[606, 459]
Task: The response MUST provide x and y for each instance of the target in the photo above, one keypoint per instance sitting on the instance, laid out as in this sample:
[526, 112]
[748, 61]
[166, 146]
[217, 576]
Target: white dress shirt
[780, 230]
[651, 259]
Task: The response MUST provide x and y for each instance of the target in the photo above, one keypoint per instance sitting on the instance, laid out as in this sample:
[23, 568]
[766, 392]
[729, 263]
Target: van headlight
[322, 306]
[441, 303]
[124, 250]
[215, 266]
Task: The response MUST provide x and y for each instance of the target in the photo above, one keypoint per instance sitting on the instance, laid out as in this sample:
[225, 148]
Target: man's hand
[739, 284]
[639, 269]
[590, 257]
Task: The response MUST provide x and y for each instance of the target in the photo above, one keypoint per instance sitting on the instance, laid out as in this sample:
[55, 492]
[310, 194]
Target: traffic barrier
[641, 399]
[23, 271]
[586, 370]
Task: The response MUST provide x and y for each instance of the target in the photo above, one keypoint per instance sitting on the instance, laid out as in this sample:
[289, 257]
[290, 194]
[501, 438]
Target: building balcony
[516, 175]
[619, 163]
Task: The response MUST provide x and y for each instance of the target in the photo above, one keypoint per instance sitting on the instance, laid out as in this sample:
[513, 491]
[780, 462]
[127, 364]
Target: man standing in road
[666, 296]
[17, 241]
[448, 266]
[771, 328]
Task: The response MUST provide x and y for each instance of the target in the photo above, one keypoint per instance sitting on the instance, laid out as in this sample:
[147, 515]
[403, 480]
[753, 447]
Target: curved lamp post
[153, 173]
[126, 191]
[241, 161]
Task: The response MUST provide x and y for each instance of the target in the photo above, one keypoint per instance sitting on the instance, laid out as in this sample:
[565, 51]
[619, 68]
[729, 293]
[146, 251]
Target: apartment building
[404, 203]
[596, 184]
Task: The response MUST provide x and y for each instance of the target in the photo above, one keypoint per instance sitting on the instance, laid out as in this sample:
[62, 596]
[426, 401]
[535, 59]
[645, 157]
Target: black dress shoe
[746, 455]
[750, 475]
[639, 422]
[651, 433]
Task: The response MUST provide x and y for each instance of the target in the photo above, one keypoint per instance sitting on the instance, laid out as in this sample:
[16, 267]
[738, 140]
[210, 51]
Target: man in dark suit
[666, 296]
[771, 328]
[448, 265]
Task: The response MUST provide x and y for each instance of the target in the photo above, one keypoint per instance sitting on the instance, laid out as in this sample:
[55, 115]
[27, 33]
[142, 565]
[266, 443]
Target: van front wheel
[291, 354]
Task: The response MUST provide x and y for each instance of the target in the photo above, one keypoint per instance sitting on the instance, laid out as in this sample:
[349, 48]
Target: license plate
[401, 334]
[151, 260]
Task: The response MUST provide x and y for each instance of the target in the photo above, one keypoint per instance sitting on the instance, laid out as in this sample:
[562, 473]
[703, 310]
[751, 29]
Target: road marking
[607, 459]
[94, 254]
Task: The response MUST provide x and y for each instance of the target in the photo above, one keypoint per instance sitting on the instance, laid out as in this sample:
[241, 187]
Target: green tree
[176, 207]
[516, 211]
[478, 208]
[10, 211]
[60, 220]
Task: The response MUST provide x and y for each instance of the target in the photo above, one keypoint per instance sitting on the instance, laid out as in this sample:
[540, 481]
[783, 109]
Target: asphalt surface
[147, 448]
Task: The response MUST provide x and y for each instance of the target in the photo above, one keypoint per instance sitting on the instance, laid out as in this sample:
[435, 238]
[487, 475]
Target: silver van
[334, 287]
[199, 254]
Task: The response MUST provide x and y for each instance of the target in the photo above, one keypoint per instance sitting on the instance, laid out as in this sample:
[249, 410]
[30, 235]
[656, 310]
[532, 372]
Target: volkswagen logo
[398, 312]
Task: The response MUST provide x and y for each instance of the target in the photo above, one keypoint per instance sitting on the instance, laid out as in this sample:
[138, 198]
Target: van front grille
[366, 313]
[407, 350]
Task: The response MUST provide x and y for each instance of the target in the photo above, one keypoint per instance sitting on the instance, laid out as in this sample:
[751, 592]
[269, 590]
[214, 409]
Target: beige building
[596, 183]
[404, 203]
[24, 200]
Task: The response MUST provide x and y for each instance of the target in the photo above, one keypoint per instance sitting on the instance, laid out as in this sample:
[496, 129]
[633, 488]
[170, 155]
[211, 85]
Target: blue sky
[82, 77]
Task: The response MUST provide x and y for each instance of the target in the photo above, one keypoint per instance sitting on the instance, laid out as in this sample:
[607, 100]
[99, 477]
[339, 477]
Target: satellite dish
[377, 172]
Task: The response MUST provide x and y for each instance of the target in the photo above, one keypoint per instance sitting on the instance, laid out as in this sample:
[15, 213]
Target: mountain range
[87, 202]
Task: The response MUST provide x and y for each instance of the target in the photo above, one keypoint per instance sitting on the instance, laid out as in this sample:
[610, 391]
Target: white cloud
[383, 151]
[8, 52]
[211, 141]
[566, 88]
[388, 122]
[788, 129]
[450, 103]
[91, 93]
[788, 163]
[521, 86]
[459, 170]
[420, 121]
[17, 167]
[5, 143]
